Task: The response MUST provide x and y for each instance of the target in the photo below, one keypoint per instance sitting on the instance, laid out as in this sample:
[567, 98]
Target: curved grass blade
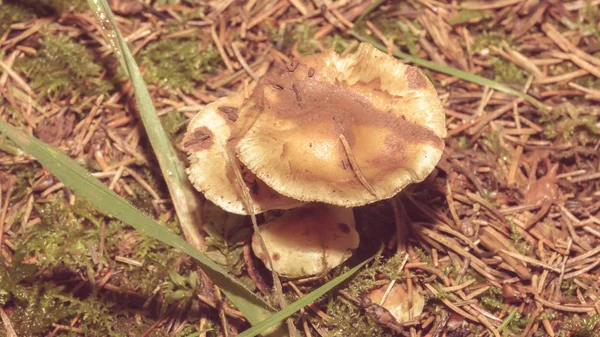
[185, 199]
[106, 201]
[454, 72]
[301, 303]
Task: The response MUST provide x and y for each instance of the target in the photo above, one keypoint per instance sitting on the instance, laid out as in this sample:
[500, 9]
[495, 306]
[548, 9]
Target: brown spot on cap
[230, 112]
[199, 139]
[415, 78]
[344, 228]
[276, 257]
[291, 67]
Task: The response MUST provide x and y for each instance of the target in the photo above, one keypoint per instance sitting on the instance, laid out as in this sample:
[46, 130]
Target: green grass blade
[454, 72]
[369, 9]
[91, 189]
[185, 199]
[301, 303]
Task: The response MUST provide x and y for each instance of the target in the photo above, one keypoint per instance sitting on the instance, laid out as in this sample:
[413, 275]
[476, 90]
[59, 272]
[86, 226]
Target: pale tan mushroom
[344, 130]
[210, 171]
[309, 240]
[402, 307]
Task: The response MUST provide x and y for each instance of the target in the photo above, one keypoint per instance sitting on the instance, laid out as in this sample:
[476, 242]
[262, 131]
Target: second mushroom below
[310, 240]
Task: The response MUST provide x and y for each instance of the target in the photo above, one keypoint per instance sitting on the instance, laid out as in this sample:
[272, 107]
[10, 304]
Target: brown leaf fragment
[56, 128]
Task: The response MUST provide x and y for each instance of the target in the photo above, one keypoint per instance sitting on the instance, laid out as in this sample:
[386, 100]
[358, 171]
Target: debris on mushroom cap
[398, 303]
[309, 240]
[344, 130]
[210, 171]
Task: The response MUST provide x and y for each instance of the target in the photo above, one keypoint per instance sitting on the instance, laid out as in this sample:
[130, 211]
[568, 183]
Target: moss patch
[507, 72]
[59, 247]
[347, 320]
[178, 63]
[63, 68]
[13, 13]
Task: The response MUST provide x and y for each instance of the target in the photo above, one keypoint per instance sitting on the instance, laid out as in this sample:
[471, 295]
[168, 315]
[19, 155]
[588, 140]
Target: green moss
[423, 256]
[60, 247]
[548, 315]
[38, 304]
[577, 326]
[174, 124]
[178, 63]
[507, 72]
[467, 15]
[338, 43]
[63, 68]
[48, 243]
[12, 13]
[588, 81]
[462, 142]
[588, 21]
[61, 6]
[302, 34]
[379, 269]
[492, 299]
[514, 323]
[399, 33]
[24, 179]
[493, 142]
[566, 120]
[347, 320]
[63, 237]
[486, 39]
[518, 242]
[568, 288]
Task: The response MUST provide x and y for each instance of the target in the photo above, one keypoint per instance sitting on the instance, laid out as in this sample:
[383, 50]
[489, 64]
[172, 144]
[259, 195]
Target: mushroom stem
[355, 167]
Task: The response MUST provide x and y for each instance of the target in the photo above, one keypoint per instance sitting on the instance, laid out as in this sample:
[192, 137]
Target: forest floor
[502, 239]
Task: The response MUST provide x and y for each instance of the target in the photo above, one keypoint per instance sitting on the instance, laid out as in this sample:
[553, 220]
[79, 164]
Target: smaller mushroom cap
[398, 303]
[344, 130]
[210, 171]
[309, 240]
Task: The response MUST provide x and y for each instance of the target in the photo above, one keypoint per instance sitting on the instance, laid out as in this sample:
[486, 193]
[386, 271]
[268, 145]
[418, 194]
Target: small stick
[355, 167]
[245, 65]
[250, 210]
[260, 285]
[10, 331]
[5, 210]
[560, 307]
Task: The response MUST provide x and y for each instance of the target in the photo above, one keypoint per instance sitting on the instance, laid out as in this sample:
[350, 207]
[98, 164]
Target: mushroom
[309, 240]
[343, 130]
[210, 171]
[402, 307]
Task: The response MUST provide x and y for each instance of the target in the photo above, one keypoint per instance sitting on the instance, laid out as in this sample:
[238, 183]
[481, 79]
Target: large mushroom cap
[309, 240]
[292, 129]
[210, 171]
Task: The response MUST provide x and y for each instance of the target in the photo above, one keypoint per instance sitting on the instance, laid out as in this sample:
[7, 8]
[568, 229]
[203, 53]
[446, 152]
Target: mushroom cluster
[316, 137]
